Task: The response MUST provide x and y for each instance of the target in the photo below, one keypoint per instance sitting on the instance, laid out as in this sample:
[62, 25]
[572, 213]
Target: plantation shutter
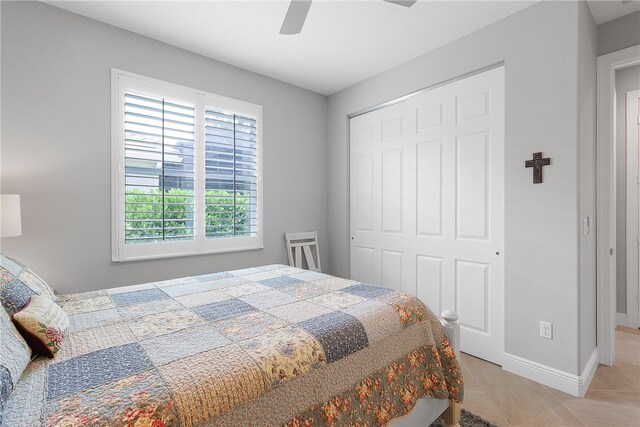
[231, 180]
[159, 169]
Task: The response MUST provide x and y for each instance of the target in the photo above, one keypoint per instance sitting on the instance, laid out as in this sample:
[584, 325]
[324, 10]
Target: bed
[264, 346]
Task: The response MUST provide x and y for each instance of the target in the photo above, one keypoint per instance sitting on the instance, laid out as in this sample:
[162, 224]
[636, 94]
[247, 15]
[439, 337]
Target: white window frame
[120, 252]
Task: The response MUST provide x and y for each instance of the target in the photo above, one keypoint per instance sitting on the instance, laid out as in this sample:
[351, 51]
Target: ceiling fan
[298, 10]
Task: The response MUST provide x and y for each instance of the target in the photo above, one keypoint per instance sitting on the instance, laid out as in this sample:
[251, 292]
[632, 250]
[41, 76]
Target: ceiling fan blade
[296, 16]
[405, 3]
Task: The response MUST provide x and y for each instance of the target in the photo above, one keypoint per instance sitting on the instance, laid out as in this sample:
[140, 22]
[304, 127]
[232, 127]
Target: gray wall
[627, 79]
[539, 47]
[619, 34]
[587, 66]
[55, 112]
[56, 146]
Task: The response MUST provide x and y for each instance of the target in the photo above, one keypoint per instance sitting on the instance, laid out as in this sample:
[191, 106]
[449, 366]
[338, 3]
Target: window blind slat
[159, 176]
[230, 175]
[159, 169]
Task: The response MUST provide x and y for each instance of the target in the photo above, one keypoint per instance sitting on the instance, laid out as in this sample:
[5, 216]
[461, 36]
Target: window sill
[132, 258]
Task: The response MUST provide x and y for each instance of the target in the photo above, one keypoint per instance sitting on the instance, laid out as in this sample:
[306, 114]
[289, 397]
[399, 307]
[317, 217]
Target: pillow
[13, 293]
[18, 284]
[14, 357]
[42, 324]
[27, 276]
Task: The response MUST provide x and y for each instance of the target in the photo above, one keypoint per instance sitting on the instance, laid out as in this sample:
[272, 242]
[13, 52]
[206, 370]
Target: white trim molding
[621, 319]
[123, 81]
[632, 122]
[575, 385]
[606, 197]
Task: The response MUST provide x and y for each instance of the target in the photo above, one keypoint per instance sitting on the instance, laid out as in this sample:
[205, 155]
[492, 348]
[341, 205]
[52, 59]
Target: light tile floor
[613, 399]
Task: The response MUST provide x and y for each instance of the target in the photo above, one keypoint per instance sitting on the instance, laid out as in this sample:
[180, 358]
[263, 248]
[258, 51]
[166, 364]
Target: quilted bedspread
[264, 346]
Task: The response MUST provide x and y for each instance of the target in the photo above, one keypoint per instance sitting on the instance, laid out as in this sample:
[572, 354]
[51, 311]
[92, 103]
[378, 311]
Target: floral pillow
[14, 357]
[18, 284]
[43, 324]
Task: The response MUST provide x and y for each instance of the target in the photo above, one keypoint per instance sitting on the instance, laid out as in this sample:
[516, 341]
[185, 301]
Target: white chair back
[305, 243]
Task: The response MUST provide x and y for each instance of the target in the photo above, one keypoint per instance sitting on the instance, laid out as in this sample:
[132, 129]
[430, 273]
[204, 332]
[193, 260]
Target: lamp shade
[10, 220]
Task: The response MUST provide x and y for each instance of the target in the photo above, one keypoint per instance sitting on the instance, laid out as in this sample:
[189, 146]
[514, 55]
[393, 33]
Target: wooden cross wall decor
[537, 163]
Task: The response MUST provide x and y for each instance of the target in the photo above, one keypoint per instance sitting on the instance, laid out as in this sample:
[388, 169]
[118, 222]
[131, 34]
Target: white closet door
[427, 203]
[381, 198]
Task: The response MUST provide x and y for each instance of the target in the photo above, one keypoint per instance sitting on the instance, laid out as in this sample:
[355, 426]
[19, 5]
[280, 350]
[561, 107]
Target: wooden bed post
[451, 329]
[451, 415]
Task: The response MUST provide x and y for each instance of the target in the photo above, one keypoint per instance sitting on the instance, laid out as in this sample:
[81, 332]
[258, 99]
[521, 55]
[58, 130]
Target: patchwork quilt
[264, 346]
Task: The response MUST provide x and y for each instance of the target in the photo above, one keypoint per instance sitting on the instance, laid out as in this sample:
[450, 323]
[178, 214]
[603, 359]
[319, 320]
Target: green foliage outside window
[143, 214]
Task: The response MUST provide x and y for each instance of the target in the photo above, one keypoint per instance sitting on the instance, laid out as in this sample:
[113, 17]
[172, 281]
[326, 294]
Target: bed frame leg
[451, 416]
[449, 320]
[451, 327]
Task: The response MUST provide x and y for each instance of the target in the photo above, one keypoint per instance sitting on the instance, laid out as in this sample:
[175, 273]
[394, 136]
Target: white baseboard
[621, 319]
[575, 385]
[589, 371]
[624, 320]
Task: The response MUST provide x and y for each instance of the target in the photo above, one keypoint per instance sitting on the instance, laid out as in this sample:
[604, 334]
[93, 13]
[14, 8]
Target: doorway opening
[617, 285]
[627, 86]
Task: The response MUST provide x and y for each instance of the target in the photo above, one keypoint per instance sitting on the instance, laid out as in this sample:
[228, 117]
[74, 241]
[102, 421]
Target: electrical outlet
[546, 330]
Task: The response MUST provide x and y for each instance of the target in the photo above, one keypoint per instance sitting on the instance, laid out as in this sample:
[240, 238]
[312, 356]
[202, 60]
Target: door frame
[606, 197]
[633, 217]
